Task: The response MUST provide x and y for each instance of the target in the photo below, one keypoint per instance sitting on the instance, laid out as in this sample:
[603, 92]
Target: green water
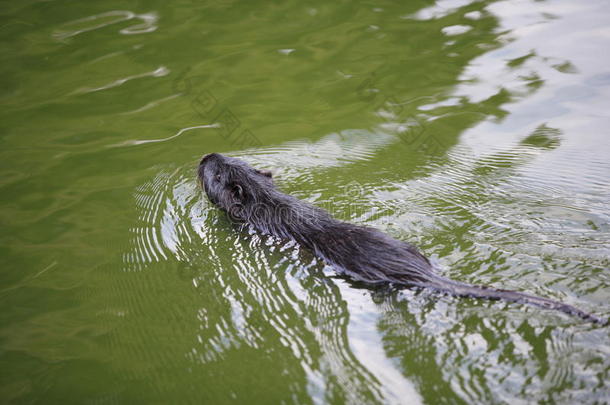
[476, 130]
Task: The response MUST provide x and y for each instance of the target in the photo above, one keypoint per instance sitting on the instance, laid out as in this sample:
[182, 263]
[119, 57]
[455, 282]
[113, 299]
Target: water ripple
[97, 21]
[159, 72]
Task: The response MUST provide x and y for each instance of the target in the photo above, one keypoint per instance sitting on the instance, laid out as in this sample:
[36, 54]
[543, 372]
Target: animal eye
[218, 177]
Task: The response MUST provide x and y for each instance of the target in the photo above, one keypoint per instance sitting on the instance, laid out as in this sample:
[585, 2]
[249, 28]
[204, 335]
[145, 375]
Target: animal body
[362, 253]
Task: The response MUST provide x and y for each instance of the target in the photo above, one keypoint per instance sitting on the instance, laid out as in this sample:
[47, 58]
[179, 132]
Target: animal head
[232, 184]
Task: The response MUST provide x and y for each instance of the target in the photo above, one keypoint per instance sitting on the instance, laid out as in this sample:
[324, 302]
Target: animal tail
[460, 289]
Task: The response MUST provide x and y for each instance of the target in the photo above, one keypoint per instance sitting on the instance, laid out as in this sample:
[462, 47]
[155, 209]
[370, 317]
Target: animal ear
[237, 191]
[265, 173]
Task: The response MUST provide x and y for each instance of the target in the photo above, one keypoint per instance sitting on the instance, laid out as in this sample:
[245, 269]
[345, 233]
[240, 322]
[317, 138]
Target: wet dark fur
[363, 253]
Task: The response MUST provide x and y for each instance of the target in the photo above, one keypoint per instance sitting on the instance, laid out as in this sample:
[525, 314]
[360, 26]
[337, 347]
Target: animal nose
[208, 157]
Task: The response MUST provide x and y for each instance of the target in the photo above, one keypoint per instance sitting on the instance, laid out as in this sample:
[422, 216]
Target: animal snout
[210, 156]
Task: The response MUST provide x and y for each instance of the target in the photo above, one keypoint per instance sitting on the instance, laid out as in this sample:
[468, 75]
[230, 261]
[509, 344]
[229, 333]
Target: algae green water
[478, 131]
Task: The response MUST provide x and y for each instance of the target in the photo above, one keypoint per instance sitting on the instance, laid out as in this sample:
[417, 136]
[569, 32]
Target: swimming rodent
[362, 253]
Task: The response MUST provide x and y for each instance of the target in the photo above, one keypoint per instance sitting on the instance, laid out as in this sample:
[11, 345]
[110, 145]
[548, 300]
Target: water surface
[477, 131]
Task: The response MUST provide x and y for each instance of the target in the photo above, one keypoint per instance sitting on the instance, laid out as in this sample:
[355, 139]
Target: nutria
[365, 254]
